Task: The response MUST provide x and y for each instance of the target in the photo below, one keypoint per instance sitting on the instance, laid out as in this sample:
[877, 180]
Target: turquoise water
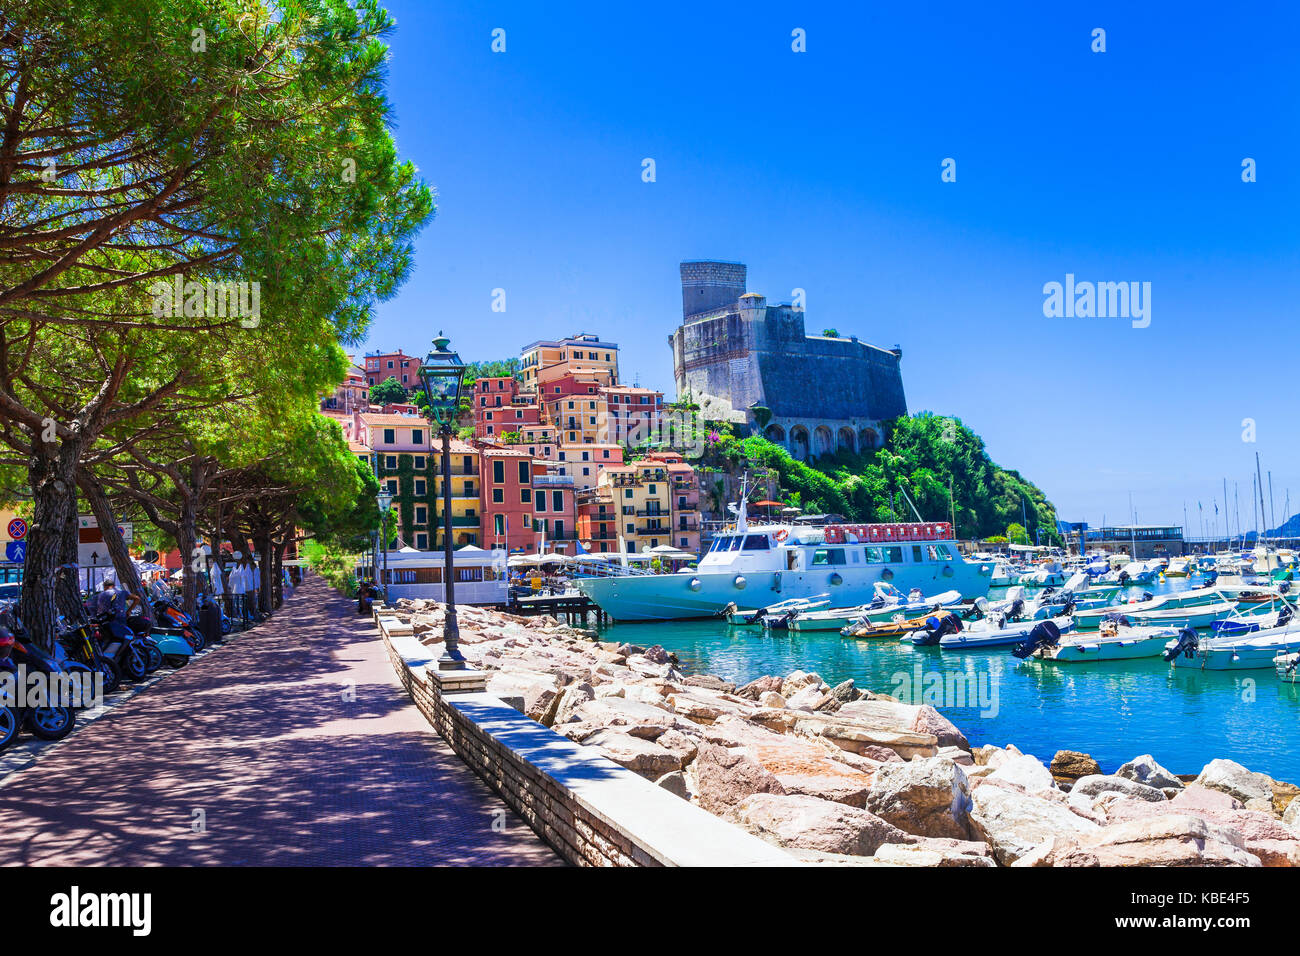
[1114, 710]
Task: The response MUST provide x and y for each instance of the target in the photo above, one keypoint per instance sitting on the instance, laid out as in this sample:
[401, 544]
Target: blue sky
[821, 170]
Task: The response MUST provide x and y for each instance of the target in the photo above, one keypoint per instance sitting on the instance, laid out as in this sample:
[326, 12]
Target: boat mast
[1263, 515]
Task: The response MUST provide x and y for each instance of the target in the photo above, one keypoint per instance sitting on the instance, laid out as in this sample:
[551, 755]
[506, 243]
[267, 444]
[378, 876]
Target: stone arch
[800, 446]
[845, 440]
[868, 439]
[775, 434]
[823, 441]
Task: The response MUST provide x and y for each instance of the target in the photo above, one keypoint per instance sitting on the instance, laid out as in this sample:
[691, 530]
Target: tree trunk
[187, 539]
[127, 575]
[265, 596]
[51, 473]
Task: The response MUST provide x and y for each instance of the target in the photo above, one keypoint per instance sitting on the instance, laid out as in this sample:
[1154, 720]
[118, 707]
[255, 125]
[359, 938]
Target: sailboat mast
[1259, 480]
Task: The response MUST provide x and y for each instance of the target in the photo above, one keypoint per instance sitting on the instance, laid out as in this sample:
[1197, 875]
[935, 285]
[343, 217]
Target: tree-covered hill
[920, 456]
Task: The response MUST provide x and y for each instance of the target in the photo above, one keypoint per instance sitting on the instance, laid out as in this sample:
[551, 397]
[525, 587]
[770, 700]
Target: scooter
[128, 652]
[79, 646]
[170, 617]
[47, 721]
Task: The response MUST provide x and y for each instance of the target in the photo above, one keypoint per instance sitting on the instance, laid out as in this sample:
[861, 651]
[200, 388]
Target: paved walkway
[255, 755]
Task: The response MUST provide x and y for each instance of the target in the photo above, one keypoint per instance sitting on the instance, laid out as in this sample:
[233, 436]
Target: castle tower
[710, 285]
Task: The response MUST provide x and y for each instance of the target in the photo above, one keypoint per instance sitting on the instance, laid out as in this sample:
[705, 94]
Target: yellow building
[582, 355]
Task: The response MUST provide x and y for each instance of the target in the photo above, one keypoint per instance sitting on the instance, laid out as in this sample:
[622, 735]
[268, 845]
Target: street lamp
[442, 375]
[385, 503]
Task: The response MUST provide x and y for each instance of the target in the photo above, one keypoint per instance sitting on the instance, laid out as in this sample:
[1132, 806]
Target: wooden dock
[570, 607]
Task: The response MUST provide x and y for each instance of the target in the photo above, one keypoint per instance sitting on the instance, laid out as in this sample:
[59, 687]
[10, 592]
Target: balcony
[552, 481]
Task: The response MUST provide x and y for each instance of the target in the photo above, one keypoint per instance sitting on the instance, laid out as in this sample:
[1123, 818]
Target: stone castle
[736, 355]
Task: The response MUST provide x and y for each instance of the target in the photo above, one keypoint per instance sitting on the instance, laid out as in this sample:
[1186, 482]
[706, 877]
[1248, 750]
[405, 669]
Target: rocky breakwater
[837, 774]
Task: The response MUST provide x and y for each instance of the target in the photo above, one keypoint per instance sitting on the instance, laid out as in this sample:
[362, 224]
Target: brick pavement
[259, 736]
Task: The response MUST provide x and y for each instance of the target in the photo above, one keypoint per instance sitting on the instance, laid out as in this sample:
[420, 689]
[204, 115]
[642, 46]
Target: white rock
[1014, 823]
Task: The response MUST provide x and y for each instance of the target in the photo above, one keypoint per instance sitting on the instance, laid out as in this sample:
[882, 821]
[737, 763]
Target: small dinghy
[886, 607]
[776, 615]
[995, 632]
[1114, 640]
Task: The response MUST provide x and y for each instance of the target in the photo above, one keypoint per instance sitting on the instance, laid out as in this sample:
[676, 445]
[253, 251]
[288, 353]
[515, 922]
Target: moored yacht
[758, 565]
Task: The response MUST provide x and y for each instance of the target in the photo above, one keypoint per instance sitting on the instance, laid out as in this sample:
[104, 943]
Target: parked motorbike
[80, 645]
[48, 721]
[126, 651]
[170, 617]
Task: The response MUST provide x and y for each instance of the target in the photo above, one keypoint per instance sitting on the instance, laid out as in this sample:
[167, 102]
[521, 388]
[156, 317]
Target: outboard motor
[1187, 644]
[978, 609]
[1284, 587]
[1069, 607]
[1147, 596]
[1044, 634]
[1123, 578]
[1284, 616]
[1016, 609]
[935, 628]
[1115, 617]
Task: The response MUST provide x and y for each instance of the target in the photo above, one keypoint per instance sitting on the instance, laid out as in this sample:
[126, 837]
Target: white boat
[1255, 651]
[1108, 644]
[889, 604]
[758, 565]
[1179, 617]
[1090, 619]
[1287, 667]
[776, 615]
[996, 632]
[1048, 575]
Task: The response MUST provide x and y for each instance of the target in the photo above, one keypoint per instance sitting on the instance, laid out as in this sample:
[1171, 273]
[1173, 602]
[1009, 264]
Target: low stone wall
[589, 809]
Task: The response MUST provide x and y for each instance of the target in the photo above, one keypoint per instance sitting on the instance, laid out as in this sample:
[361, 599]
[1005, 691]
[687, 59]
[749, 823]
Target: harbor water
[1111, 710]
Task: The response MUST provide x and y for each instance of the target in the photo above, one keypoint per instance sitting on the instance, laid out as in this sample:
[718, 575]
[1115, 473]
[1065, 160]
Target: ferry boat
[756, 565]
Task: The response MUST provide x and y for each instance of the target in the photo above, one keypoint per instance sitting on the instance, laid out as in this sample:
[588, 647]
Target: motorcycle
[48, 721]
[171, 618]
[79, 646]
[127, 651]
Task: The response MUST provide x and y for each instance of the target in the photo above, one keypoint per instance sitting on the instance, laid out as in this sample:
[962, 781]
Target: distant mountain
[1289, 529]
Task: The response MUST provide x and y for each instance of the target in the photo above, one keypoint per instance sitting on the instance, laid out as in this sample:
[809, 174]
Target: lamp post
[442, 375]
[385, 503]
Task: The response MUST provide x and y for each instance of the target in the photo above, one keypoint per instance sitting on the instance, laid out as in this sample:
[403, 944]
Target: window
[498, 496]
[916, 552]
[421, 514]
[392, 486]
[526, 496]
[421, 541]
[390, 462]
[541, 501]
[736, 542]
[467, 465]
[757, 542]
[421, 487]
[559, 530]
[684, 545]
[631, 529]
[498, 472]
[525, 472]
[390, 436]
[557, 500]
[419, 463]
[499, 524]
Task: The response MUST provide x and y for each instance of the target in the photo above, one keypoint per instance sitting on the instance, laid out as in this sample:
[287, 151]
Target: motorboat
[1112, 641]
[1287, 666]
[1254, 651]
[776, 615]
[889, 603]
[1179, 568]
[1091, 619]
[1202, 615]
[900, 627]
[757, 565]
[997, 632]
[1047, 575]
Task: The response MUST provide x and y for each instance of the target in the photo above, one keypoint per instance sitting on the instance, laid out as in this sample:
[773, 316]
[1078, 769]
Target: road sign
[16, 551]
[18, 529]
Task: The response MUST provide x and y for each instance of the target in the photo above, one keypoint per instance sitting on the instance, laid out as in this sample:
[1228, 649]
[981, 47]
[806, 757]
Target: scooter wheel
[155, 656]
[135, 662]
[112, 678]
[51, 723]
[8, 726]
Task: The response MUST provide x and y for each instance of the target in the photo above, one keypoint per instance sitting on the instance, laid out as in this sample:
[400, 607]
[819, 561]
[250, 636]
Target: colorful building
[583, 355]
